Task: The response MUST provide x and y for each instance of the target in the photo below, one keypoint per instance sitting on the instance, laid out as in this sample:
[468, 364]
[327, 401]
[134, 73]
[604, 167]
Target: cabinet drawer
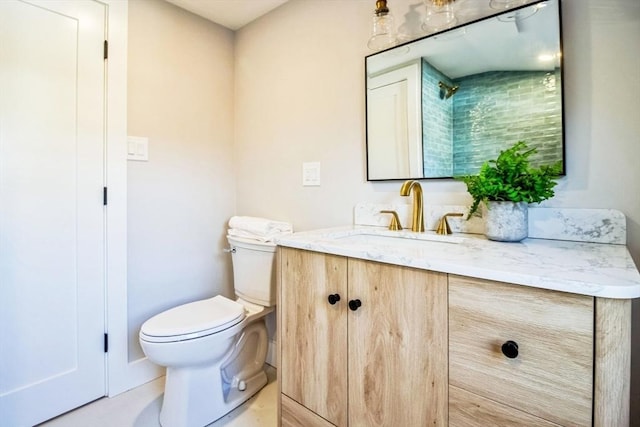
[296, 415]
[470, 410]
[551, 373]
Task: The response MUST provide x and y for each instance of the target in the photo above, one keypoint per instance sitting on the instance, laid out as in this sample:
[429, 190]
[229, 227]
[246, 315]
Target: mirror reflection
[441, 106]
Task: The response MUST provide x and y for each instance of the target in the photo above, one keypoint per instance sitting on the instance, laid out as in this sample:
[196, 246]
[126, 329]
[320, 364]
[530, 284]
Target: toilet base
[236, 397]
[177, 412]
[197, 396]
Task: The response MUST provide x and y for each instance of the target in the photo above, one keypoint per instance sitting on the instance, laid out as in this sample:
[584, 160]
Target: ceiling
[232, 14]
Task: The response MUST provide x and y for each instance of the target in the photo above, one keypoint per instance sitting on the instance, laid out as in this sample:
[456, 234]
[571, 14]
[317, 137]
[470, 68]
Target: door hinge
[104, 196]
[106, 49]
[106, 343]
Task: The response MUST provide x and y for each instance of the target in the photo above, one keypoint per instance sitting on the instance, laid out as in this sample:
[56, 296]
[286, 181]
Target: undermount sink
[402, 238]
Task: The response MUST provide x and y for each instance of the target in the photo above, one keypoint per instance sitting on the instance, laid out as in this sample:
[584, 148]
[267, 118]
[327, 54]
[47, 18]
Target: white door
[52, 246]
[388, 139]
[394, 124]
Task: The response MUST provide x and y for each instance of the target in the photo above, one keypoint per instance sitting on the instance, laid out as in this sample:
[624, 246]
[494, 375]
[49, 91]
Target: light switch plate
[311, 174]
[138, 148]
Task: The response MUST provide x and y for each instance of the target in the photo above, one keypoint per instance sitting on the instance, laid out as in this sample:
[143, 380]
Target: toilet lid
[195, 319]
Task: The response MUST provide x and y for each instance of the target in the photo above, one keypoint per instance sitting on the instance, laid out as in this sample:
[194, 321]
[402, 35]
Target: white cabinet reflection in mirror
[393, 117]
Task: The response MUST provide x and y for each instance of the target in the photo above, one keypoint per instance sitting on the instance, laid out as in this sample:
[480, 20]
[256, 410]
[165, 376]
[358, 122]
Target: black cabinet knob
[354, 304]
[510, 349]
[333, 298]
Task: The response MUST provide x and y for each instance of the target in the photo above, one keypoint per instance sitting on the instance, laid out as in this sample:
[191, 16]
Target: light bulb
[440, 15]
[383, 34]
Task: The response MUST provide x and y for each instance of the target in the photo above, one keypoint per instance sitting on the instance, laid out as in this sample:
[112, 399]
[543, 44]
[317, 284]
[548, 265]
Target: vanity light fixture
[383, 34]
[440, 15]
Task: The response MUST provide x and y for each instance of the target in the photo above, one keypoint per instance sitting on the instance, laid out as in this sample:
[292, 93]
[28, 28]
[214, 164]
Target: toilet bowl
[215, 349]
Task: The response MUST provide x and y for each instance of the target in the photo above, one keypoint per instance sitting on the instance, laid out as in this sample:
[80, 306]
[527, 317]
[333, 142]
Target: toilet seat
[193, 320]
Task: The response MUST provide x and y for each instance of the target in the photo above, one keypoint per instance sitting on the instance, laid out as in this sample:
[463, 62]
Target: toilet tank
[254, 270]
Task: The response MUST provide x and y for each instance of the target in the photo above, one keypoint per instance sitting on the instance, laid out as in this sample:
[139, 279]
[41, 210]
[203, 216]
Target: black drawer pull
[333, 298]
[354, 304]
[510, 349]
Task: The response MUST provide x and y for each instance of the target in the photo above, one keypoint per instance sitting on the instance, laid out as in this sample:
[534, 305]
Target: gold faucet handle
[395, 220]
[443, 224]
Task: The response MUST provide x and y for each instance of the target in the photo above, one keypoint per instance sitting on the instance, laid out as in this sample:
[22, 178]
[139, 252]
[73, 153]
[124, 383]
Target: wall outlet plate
[311, 174]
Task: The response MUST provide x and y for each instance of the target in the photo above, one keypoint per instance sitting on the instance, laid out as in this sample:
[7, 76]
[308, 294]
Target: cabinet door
[314, 332]
[397, 346]
[296, 415]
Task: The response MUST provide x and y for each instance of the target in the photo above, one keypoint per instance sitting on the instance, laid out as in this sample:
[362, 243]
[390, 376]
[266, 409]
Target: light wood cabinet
[312, 332]
[471, 410]
[526, 348]
[380, 363]
[397, 352]
[296, 415]
[429, 349]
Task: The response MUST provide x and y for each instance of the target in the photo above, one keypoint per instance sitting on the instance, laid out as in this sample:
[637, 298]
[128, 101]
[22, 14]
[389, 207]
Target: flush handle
[510, 349]
[333, 298]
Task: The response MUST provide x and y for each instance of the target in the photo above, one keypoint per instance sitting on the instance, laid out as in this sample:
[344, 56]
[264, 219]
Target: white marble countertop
[595, 269]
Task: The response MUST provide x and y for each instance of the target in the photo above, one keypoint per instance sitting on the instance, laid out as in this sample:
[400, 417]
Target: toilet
[215, 349]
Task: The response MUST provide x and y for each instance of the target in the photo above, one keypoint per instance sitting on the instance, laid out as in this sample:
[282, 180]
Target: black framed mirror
[442, 105]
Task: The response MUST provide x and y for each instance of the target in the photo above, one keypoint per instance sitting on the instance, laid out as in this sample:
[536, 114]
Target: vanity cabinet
[361, 343]
[364, 343]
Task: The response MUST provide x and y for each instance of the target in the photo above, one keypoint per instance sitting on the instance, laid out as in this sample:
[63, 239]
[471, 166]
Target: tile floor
[140, 407]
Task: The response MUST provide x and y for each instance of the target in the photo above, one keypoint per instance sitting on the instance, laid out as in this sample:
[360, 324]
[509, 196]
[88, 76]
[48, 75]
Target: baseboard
[138, 372]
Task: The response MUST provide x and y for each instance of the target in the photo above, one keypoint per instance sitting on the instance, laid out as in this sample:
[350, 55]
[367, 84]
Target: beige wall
[300, 97]
[180, 95]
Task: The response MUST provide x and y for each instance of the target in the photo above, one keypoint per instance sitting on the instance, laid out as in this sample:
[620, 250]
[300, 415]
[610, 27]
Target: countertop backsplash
[607, 226]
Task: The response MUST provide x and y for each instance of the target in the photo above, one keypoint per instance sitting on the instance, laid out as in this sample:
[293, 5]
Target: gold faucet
[417, 217]
[443, 226]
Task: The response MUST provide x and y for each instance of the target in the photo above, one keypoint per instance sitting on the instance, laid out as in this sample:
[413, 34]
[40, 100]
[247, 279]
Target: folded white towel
[258, 237]
[259, 226]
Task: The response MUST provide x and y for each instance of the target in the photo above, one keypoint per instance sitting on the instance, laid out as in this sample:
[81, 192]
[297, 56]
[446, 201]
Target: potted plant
[506, 186]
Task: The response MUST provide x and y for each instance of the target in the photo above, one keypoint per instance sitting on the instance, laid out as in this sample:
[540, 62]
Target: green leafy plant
[511, 178]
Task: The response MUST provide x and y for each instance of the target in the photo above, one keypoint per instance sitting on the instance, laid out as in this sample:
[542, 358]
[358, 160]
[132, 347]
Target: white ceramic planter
[506, 221]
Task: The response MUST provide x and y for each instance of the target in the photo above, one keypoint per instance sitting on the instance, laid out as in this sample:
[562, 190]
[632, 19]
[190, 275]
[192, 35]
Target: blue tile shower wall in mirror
[442, 105]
